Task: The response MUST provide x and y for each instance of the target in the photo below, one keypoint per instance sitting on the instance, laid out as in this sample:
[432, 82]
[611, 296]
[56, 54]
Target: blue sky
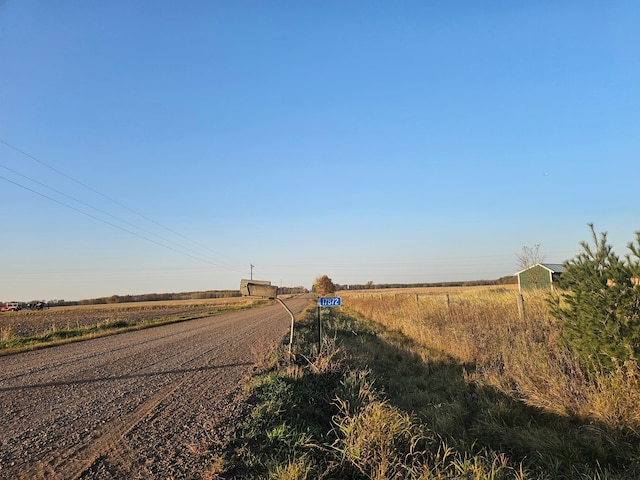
[397, 142]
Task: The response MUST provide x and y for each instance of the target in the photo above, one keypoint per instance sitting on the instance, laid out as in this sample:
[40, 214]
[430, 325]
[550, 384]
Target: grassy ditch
[377, 404]
[11, 343]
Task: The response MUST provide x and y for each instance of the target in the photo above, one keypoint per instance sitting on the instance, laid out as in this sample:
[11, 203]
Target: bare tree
[529, 256]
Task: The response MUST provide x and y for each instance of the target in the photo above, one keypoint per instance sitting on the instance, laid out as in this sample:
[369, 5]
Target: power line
[94, 208]
[120, 204]
[182, 249]
[107, 222]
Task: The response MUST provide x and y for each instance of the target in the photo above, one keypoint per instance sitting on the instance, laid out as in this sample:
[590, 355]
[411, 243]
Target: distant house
[539, 276]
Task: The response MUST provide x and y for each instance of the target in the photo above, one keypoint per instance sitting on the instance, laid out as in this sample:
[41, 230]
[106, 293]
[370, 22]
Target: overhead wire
[184, 249]
[181, 249]
[95, 209]
[111, 199]
[104, 221]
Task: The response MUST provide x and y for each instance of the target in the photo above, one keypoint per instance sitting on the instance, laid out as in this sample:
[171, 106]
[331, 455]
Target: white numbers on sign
[330, 301]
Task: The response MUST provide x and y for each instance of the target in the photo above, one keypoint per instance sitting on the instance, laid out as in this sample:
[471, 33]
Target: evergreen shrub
[599, 304]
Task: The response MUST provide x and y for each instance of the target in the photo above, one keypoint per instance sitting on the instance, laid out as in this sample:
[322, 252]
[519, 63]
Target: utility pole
[252, 265]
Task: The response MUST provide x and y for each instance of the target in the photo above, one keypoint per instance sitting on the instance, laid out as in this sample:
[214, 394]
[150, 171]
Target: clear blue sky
[397, 142]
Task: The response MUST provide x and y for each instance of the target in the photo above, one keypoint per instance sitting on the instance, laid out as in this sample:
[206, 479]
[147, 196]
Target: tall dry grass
[522, 357]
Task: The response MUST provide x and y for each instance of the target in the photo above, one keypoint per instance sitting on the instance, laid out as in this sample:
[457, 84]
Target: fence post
[521, 307]
[447, 302]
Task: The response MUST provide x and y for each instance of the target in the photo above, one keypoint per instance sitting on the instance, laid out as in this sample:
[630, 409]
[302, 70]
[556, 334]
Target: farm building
[258, 288]
[541, 275]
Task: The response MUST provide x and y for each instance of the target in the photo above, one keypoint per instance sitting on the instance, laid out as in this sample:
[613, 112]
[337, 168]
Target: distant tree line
[147, 297]
[154, 297]
[292, 290]
[508, 280]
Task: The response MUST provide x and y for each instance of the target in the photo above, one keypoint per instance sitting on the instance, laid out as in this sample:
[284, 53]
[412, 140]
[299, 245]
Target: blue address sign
[330, 301]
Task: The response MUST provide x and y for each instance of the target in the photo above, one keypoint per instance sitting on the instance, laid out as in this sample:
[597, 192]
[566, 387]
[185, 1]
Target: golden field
[481, 328]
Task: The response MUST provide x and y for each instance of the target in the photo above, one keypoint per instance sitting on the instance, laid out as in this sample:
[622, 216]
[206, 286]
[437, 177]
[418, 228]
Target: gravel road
[145, 404]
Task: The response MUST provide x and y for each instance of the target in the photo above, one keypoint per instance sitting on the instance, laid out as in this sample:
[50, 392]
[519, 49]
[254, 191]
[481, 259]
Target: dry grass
[482, 329]
[436, 389]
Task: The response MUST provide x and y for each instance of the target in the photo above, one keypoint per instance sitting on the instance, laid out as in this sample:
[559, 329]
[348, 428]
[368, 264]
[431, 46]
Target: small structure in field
[539, 276]
[258, 288]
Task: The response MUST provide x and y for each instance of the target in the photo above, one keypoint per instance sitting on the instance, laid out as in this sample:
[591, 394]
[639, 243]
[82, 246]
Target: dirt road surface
[145, 404]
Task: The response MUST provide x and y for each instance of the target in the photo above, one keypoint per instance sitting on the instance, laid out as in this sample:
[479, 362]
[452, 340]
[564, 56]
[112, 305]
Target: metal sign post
[319, 330]
[325, 302]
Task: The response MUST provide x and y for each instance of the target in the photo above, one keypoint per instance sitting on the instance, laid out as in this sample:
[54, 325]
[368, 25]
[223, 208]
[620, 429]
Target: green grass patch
[374, 404]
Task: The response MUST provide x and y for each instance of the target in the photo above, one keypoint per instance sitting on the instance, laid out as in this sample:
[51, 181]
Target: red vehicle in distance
[11, 307]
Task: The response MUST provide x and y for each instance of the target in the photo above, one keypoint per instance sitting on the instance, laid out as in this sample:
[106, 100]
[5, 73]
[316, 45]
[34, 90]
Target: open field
[522, 357]
[30, 323]
[454, 384]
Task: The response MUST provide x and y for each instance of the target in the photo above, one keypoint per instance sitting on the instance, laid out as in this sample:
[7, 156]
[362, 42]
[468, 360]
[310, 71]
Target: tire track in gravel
[130, 405]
